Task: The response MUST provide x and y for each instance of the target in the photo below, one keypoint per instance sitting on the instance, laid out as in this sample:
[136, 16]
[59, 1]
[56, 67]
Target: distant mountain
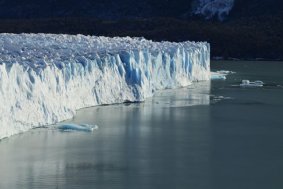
[119, 9]
[246, 29]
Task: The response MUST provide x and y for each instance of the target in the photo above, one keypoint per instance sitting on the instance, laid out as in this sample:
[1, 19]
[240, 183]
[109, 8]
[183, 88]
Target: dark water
[206, 136]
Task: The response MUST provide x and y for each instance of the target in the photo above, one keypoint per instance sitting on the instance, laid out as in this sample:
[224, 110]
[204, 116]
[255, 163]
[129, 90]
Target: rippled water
[206, 136]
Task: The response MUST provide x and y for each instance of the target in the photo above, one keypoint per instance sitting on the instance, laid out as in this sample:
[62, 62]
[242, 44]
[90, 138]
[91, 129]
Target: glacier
[45, 78]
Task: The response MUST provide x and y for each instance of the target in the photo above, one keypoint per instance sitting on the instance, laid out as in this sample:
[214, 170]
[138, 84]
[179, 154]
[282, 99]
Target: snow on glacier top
[40, 50]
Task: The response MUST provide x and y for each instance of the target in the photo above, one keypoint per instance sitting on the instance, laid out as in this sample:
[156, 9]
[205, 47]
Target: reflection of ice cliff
[44, 79]
[194, 95]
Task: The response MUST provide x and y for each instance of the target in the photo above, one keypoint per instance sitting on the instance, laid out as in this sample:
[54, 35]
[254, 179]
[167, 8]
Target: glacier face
[45, 78]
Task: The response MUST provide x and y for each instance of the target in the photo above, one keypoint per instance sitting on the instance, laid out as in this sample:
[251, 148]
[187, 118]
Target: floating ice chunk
[218, 76]
[247, 83]
[226, 72]
[77, 127]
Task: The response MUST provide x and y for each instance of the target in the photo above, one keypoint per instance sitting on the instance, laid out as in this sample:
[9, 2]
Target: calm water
[206, 136]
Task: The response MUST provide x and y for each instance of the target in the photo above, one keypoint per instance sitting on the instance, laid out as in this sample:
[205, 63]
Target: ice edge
[45, 78]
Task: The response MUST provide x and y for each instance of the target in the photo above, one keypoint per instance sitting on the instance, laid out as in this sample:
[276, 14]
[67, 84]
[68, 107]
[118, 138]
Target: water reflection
[160, 143]
[195, 94]
[173, 140]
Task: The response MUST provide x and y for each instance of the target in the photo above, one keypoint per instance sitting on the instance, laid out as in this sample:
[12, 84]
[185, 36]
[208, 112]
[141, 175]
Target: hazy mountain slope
[112, 9]
[252, 29]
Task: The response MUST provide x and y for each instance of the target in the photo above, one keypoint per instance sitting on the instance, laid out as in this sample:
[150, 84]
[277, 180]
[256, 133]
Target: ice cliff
[45, 78]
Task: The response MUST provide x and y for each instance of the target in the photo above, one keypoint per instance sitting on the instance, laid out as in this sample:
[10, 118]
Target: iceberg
[220, 75]
[248, 83]
[77, 127]
[45, 78]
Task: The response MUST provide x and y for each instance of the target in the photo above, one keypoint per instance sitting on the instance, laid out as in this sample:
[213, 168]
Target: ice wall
[45, 78]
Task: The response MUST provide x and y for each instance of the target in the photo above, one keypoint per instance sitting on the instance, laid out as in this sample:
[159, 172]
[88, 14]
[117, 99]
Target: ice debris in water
[220, 75]
[225, 72]
[45, 78]
[217, 76]
[247, 83]
[77, 127]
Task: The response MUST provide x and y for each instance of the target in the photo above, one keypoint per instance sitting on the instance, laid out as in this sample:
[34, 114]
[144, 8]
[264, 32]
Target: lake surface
[206, 136]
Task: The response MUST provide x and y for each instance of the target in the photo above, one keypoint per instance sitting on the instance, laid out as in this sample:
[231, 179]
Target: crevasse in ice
[45, 78]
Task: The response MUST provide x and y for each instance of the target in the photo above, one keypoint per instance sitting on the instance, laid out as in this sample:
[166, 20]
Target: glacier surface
[45, 78]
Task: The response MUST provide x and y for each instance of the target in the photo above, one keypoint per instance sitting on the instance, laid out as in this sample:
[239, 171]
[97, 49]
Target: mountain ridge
[251, 30]
[110, 9]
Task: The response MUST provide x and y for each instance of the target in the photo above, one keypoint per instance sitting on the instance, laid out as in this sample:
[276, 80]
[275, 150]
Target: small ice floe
[220, 75]
[247, 83]
[217, 76]
[226, 72]
[77, 127]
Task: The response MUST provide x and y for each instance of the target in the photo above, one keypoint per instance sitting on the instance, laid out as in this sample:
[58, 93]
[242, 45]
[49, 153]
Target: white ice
[247, 83]
[220, 75]
[45, 78]
[77, 127]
